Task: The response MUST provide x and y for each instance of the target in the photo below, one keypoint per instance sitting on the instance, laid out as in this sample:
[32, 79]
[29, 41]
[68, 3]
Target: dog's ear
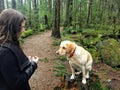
[70, 48]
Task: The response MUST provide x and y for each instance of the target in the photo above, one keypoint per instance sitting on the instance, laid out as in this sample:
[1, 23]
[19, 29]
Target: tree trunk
[20, 6]
[50, 12]
[69, 5]
[1, 5]
[89, 11]
[29, 11]
[46, 21]
[35, 16]
[14, 4]
[20, 3]
[35, 4]
[7, 4]
[56, 27]
[50, 6]
[118, 14]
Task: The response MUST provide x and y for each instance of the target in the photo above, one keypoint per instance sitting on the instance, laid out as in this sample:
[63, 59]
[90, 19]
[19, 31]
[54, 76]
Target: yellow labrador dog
[78, 57]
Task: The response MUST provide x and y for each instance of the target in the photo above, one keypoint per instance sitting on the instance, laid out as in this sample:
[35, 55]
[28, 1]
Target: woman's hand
[33, 58]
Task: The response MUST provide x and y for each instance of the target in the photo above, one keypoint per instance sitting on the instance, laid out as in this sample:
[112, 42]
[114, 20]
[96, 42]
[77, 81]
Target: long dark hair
[10, 26]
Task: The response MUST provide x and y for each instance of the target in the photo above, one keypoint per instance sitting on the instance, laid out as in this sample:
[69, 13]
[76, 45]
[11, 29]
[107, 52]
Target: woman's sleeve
[11, 72]
[30, 70]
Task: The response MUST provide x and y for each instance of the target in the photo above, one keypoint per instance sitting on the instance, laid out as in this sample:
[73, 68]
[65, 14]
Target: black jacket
[15, 68]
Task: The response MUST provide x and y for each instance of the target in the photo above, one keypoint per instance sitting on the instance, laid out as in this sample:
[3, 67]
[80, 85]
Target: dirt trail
[44, 79]
[41, 46]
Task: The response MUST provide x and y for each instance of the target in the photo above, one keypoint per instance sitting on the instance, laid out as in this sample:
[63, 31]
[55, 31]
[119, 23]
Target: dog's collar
[72, 53]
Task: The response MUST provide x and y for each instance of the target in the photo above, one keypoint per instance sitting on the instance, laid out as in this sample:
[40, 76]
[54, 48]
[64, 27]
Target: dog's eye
[64, 47]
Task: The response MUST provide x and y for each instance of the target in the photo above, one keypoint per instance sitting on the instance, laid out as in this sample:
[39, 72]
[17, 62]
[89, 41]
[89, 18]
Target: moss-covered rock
[109, 51]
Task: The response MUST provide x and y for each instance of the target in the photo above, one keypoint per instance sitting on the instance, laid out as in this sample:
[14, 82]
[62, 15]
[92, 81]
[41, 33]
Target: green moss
[109, 51]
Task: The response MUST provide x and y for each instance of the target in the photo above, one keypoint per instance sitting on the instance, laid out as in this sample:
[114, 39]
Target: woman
[15, 68]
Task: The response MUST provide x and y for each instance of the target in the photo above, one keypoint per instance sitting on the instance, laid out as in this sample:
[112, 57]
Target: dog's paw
[72, 77]
[84, 81]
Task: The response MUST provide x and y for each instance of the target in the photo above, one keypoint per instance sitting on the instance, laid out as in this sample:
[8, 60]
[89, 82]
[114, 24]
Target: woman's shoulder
[9, 47]
[4, 51]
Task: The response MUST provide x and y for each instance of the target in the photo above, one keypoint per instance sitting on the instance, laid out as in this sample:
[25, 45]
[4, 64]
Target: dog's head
[66, 48]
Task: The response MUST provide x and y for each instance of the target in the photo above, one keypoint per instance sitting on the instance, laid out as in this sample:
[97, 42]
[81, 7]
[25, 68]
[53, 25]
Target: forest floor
[44, 77]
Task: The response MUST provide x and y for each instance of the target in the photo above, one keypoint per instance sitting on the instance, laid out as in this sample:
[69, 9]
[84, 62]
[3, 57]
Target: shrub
[42, 27]
[72, 30]
[56, 43]
[60, 69]
[27, 33]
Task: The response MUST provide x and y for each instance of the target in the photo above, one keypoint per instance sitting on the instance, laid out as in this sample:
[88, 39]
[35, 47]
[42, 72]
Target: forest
[93, 24]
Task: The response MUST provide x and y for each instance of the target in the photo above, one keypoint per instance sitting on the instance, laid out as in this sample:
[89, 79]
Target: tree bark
[14, 4]
[35, 16]
[7, 4]
[69, 5]
[56, 27]
[1, 5]
[89, 11]
[30, 15]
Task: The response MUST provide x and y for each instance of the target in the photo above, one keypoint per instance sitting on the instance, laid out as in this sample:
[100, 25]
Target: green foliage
[97, 86]
[96, 32]
[56, 43]
[62, 58]
[72, 30]
[21, 40]
[91, 41]
[109, 51]
[118, 30]
[46, 60]
[89, 38]
[42, 27]
[60, 69]
[94, 53]
[27, 33]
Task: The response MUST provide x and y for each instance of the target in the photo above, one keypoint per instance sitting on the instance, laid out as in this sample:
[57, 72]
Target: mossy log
[93, 83]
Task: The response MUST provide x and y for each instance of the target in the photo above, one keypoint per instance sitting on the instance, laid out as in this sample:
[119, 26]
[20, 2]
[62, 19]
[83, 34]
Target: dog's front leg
[84, 75]
[73, 71]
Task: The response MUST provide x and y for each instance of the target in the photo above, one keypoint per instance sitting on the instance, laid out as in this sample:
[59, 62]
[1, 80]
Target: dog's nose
[57, 52]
